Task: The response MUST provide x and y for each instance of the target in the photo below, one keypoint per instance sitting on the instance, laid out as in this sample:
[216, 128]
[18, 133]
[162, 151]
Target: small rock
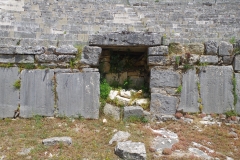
[232, 134]
[25, 151]
[131, 150]
[104, 120]
[126, 94]
[112, 111]
[142, 101]
[119, 137]
[55, 140]
[178, 115]
[123, 100]
[167, 151]
[113, 94]
[188, 120]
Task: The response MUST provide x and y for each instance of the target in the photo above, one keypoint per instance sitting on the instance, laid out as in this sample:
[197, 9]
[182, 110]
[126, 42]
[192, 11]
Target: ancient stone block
[162, 104]
[237, 76]
[24, 59]
[56, 140]
[216, 88]
[112, 111]
[65, 58]
[126, 39]
[194, 48]
[158, 61]
[211, 48]
[9, 96]
[78, 94]
[158, 51]
[164, 78]
[37, 95]
[236, 63]
[176, 48]
[209, 59]
[225, 48]
[91, 55]
[44, 58]
[228, 59]
[189, 94]
[4, 49]
[66, 49]
[133, 111]
[131, 150]
[29, 50]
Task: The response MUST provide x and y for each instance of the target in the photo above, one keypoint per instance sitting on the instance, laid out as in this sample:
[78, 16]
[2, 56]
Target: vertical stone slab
[36, 93]
[9, 96]
[189, 95]
[216, 88]
[78, 94]
[237, 76]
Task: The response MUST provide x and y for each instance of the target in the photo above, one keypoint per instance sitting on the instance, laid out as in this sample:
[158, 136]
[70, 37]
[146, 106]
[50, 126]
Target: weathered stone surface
[119, 137]
[112, 111]
[161, 104]
[123, 100]
[51, 50]
[66, 49]
[113, 94]
[158, 61]
[176, 48]
[133, 111]
[237, 76]
[131, 150]
[4, 49]
[90, 70]
[164, 78]
[189, 94]
[126, 94]
[228, 60]
[225, 48]
[236, 63]
[216, 88]
[194, 48]
[9, 96]
[55, 140]
[37, 97]
[211, 48]
[166, 140]
[126, 39]
[158, 51]
[29, 50]
[91, 55]
[78, 94]
[209, 59]
[65, 58]
[44, 58]
[24, 59]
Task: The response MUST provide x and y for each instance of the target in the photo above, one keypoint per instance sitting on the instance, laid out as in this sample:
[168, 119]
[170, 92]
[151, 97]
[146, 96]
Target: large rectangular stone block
[78, 94]
[216, 88]
[9, 96]
[36, 93]
[164, 78]
[189, 94]
[163, 104]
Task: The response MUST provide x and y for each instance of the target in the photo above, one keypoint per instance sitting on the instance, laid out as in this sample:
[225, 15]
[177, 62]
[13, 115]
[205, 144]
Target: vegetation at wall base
[17, 84]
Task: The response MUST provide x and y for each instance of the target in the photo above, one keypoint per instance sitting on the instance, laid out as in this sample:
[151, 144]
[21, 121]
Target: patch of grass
[127, 82]
[236, 50]
[187, 67]
[38, 121]
[177, 60]
[18, 42]
[204, 64]
[232, 40]
[234, 82]
[179, 89]
[6, 65]
[231, 113]
[105, 89]
[27, 66]
[17, 84]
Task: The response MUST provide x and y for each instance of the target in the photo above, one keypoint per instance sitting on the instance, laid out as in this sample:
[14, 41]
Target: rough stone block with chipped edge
[189, 94]
[4, 49]
[55, 140]
[236, 63]
[91, 55]
[211, 48]
[44, 58]
[16, 58]
[158, 51]
[112, 111]
[29, 50]
[66, 49]
[126, 39]
[9, 96]
[237, 76]
[131, 150]
[78, 94]
[37, 96]
[228, 60]
[225, 48]
[164, 78]
[133, 111]
[209, 59]
[216, 88]
[194, 48]
[162, 104]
